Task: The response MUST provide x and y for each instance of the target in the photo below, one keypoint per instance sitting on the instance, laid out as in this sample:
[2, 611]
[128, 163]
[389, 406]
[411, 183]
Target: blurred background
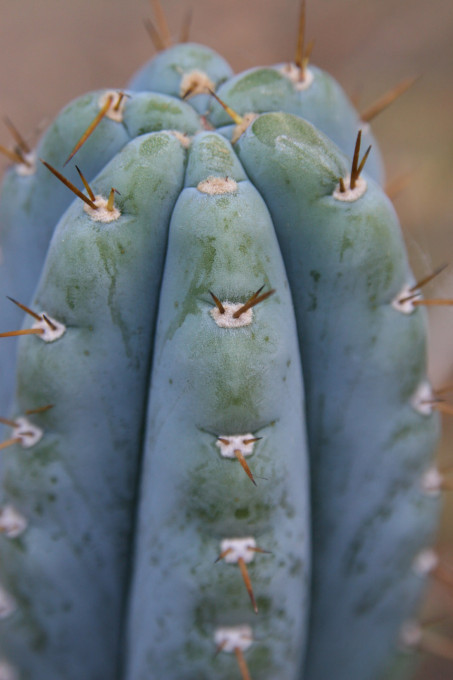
[53, 50]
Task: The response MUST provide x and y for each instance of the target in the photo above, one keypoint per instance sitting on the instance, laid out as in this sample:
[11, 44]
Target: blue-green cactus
[159, 453]
[32, 201]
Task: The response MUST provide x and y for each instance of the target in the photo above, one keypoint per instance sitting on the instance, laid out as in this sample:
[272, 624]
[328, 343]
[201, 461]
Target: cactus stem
[20, 141]
[240, 456]
[161, 21]
[221, 309]
[25, 309]
[70, 185]
[91, 128]
[88, 189]
[255, 299]
[186, 25]
[154, 35]
[388, 98]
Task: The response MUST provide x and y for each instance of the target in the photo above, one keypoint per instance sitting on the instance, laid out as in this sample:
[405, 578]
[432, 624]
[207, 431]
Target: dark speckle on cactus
[219, 431]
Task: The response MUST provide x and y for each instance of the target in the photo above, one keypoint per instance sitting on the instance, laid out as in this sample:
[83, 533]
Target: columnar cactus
[172, 506]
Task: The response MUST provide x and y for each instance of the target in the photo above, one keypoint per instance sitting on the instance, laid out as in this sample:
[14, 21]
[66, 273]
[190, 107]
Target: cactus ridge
[31, 204]
[166, 492]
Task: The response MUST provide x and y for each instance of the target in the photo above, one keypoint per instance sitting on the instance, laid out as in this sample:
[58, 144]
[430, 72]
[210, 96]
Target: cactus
[222, 428]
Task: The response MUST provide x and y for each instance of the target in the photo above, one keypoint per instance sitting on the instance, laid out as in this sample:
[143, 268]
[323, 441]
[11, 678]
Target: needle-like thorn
[236, 118]
[25, 331]
[10, 442]
[248, 584]
[20, 141]
[111, 200]
[13, 156]
[388, 98]
[40, 409]
[436, 302]
[185, 28]
[242, 664]
[161, 22]
[91, 128]
[9, 423]
[221, 309]
[251, 302]
[356, 167]
[49, 322]
[36, 316]
[223, 554]
[70, 185]
[240, 456]
[154, 35]
[89, 190]
[428, 278]
[300, 49]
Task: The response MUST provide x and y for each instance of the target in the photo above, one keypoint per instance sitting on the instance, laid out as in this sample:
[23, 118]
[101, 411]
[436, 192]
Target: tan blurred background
[53, 50]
